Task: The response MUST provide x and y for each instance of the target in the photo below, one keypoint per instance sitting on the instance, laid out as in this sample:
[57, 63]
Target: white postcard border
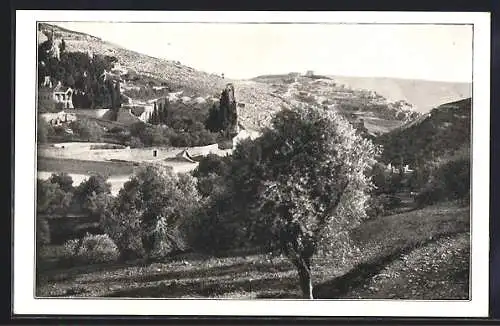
[25, 177]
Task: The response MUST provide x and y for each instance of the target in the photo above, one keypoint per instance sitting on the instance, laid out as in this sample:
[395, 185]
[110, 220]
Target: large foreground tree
[302, 185]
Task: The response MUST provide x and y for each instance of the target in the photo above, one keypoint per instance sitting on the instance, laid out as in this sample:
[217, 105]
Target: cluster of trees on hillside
[80, 72]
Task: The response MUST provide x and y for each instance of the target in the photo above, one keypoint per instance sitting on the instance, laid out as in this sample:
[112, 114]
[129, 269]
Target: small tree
[150, 208]
[51, 199]
[90, 192]
[305, 183]
[87, 129]
[64, 181]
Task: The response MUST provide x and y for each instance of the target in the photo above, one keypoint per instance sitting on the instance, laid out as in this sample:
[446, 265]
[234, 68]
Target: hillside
[146, 78]
[442, 131]
[424, 95]
[138, 69]
[363, 107]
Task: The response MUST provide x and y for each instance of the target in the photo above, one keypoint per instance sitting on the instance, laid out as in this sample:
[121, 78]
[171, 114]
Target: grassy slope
[420, 254]
[444, 130]
[83, 166]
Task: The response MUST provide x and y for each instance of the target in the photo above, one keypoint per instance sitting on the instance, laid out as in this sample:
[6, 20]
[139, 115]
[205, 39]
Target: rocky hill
[442, 131]
[360, 106]
[146, 78]
[257, 98]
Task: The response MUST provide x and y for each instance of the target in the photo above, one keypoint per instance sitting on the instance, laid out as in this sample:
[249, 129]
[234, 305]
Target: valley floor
[422, 254]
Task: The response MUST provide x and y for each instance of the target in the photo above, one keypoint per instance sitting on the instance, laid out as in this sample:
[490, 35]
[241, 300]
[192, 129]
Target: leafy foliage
[301, 185]
[210, 173]
[51, 199]
[92, 249]
[93, 194]
[149, 209]
[223, 117]
[87, 129]
[83, 73]
[449, 180]
[445, 130]
[64, 181]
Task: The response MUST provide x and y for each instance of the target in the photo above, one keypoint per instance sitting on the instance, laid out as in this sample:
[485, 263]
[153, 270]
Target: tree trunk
[305, 278]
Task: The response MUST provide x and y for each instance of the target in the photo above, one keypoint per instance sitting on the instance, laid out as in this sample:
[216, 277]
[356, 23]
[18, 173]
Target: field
[79, 160]
[428, 258]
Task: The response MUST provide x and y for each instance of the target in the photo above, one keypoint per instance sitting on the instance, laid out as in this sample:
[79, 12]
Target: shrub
[145, 216]
[51, 199]
[64, 180]
[92, 249]
[87, 129]
[106, 146]
[213, 229]
[380, 205]
[449, 181]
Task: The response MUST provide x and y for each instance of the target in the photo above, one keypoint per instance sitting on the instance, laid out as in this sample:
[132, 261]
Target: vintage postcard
[252, 163]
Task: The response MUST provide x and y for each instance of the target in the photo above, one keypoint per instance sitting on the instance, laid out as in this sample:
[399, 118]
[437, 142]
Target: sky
[240, 51]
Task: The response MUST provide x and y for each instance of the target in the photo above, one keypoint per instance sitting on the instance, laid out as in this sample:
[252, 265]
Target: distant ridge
[423, 94]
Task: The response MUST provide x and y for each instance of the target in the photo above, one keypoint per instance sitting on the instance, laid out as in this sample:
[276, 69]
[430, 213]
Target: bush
[449, 181]
[214, 230]
[92, 249]
[382, 205]
[145, 217]
[87, 129]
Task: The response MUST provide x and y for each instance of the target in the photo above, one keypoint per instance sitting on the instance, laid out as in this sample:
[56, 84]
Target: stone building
[52, 98]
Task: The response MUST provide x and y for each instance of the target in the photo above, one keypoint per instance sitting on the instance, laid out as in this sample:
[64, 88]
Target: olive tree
[149, 209]
[302, 185]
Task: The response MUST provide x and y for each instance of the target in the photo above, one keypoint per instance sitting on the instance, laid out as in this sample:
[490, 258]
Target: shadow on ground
[235, 270]
[359, 275]
[207, 288]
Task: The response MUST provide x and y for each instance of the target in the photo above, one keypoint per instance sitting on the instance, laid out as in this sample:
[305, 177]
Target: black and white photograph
[260, 161]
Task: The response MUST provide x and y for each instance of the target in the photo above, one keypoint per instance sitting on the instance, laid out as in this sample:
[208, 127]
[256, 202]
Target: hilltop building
[309, 73]
[58, 97]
